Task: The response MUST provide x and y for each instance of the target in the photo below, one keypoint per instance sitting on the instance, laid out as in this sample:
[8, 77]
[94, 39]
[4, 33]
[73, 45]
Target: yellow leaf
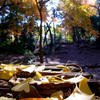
[66, 69]
[5, 98]
[36, 99]
[75, 79]
[40, 68]
[79, 95]
[52, 79]
[39, 75]
[55, 79]
[8, 67]
[44, 80]
[24, 85]
[23, 66]
[60, 66]
[29, 69]
[38, 78]
[7, 71]
[6, 74]
[83, 86]
[57, 95]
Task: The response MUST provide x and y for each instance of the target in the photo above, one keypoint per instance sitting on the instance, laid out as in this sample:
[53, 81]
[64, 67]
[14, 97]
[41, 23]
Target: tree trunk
[51, 44]
[40, 6]
[74, 35]
[45, 38]
[41, 50]
[54, 35]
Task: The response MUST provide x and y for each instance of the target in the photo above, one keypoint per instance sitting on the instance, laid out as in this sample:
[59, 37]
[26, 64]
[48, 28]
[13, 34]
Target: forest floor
[85, 55]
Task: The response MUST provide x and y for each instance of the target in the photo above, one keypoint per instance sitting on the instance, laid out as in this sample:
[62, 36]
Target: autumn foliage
[28, 16]
[77, 14]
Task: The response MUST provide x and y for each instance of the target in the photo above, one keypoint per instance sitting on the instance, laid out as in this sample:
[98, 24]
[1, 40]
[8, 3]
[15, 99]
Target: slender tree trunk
[40, 6]
[54, 33]
[45, 38]
[41, 49]
[51, 44]
[74, 35]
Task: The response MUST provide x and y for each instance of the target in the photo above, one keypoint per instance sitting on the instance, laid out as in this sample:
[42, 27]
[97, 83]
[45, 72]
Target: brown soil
[84, 55]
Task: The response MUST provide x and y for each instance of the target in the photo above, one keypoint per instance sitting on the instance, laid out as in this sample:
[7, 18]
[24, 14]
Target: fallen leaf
[74, 79]
[83, 86]
[57, 95]
[55, 79]
[24, 85]
[60, 66]
[5, 74]
[36, 99]
[33, 93]
[77, 94]
[29, 69]
[5, 98]
[7, 71]
[38, 78]
[65, 69]
[40, 68]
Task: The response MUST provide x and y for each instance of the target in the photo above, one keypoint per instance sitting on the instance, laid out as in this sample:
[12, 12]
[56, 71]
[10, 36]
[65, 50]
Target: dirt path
[82, 55]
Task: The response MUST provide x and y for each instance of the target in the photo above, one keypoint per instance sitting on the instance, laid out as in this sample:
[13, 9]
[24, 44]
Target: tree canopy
[25, 15]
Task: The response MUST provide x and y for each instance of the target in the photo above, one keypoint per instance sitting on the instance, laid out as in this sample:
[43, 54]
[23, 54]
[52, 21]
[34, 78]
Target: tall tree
[32, 8]
[40, 5]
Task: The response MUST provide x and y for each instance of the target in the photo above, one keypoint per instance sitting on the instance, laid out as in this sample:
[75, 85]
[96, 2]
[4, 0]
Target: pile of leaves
[26, 91]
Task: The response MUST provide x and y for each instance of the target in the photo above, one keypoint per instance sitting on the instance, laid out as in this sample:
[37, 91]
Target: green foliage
[28, 52]
[69, 38]
[4, 47]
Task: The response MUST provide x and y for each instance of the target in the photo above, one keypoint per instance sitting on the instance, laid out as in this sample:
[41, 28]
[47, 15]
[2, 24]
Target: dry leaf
[29, 69]
[7, 71]
[6, 74]
[38, 78]
[55, 79]
[83, 86]
[57, 95]
[36, 99]
[79, 95]
[40, 68]
[44, 80]
[60, 66]
[24, 85]
[5, 98]
[38, 75]
[33, 93]
[65, 69]
[83, 92]
[74, 79]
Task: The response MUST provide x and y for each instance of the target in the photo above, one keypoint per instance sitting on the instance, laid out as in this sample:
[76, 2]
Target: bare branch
[45, 1]
[3, 5]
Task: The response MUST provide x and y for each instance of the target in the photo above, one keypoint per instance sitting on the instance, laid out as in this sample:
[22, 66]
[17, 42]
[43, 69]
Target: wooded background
[37, 27]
